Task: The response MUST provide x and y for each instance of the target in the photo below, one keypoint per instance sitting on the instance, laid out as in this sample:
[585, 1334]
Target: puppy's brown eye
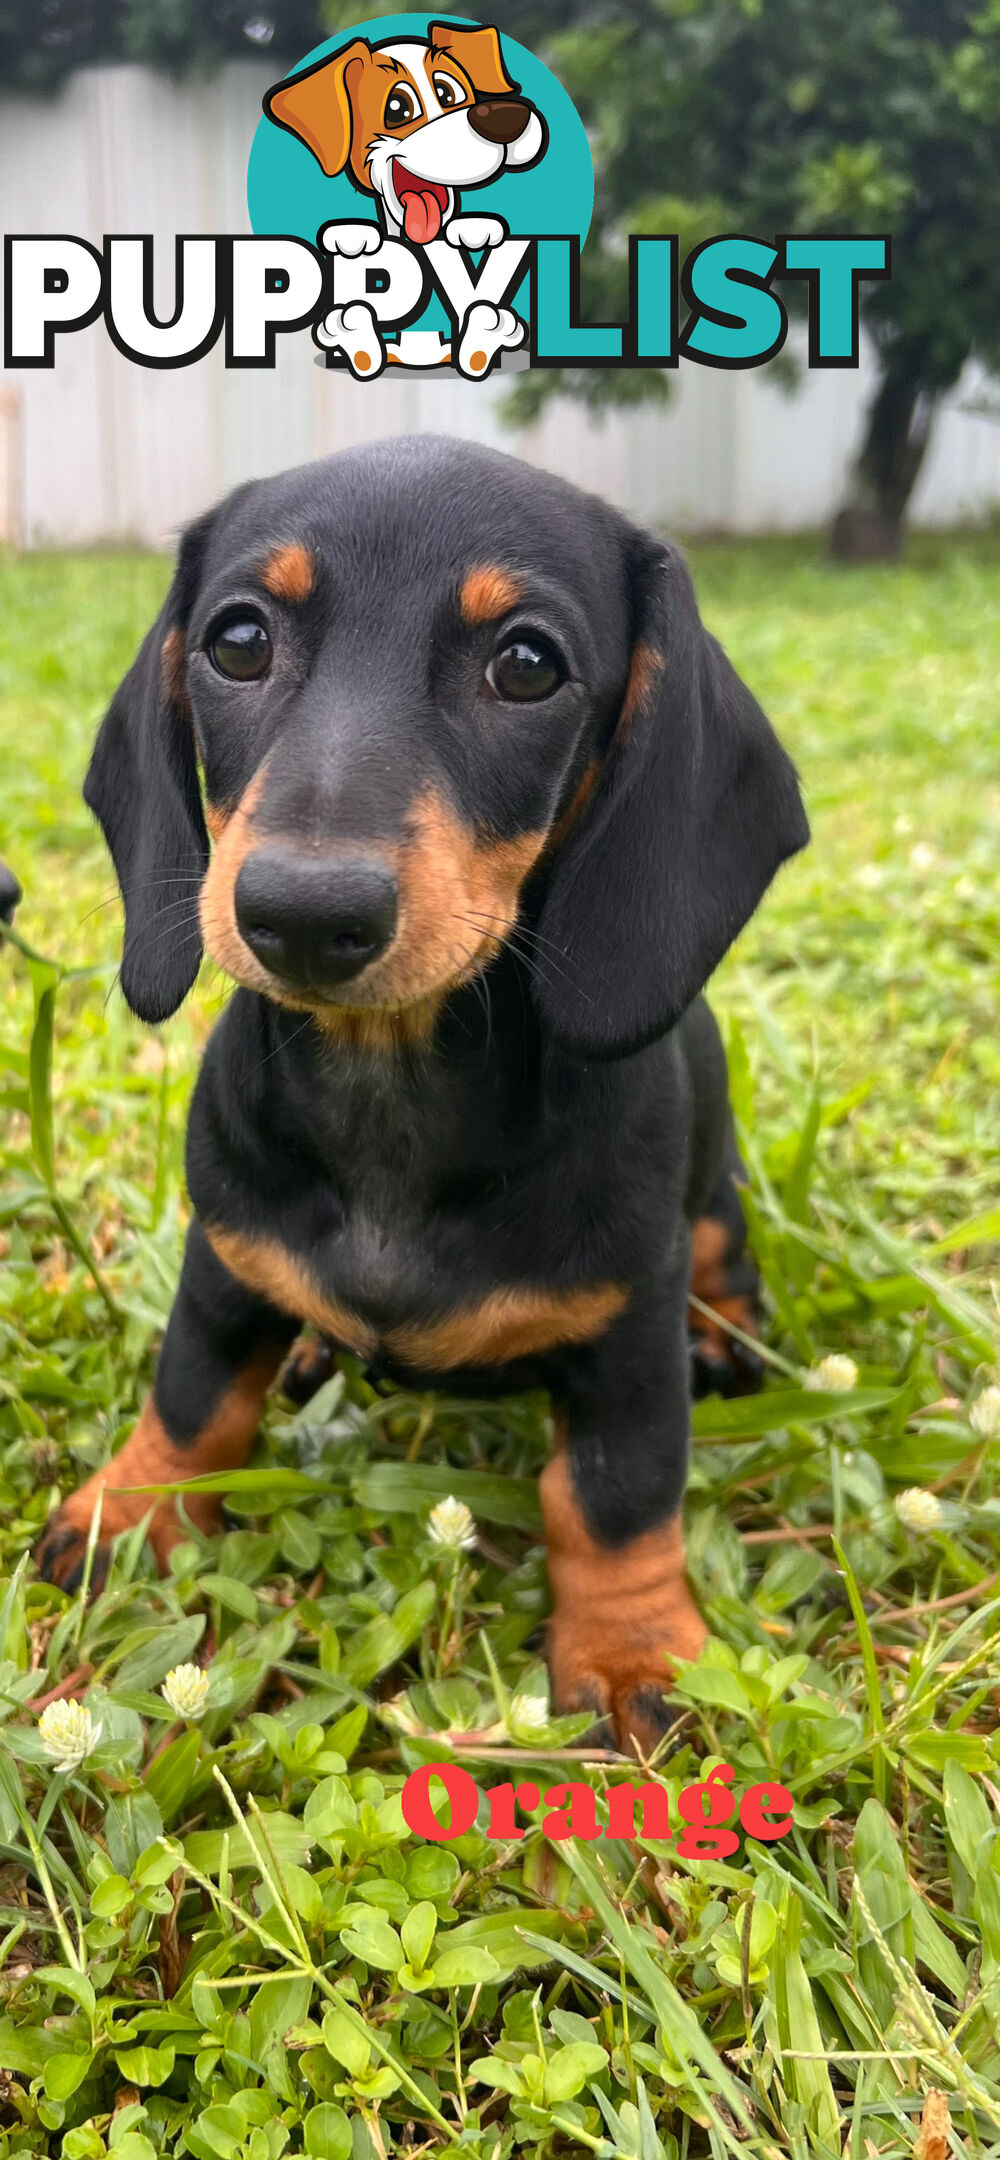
[400, 106]
[525, 671]
[239, 648]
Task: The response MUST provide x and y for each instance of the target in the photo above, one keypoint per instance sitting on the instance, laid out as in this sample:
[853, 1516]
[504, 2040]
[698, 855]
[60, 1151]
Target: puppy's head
[440, 701]
[413, 119]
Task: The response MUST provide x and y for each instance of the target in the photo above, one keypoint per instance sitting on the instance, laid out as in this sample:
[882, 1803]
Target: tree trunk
[869, 528]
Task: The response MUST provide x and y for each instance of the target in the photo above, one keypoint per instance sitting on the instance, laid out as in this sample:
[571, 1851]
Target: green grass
[225, 1927]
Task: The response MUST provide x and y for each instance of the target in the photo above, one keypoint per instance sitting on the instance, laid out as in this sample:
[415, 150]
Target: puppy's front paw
[475, 232]
[622, 1618]
[353, 331]
[486, 331]
[148, 1458]
[363, 238]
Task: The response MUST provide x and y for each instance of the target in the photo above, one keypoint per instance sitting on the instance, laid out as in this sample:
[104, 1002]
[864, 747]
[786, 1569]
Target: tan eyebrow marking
[487, 593]
[289, 572]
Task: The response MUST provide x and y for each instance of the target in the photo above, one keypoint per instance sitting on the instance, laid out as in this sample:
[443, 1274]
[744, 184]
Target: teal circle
[287, 191]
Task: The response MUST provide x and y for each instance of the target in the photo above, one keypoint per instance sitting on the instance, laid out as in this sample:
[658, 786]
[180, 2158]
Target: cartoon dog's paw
[347, 239]
[486, 331]
[353, 331]
[475, 232]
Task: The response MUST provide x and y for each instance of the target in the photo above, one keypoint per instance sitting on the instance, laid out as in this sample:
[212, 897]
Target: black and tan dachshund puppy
[483, 805]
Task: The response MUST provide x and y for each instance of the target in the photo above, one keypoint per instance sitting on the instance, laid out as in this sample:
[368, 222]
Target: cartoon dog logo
[414, 121]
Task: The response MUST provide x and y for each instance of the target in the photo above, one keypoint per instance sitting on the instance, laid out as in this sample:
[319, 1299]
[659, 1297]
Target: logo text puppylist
[419, 195]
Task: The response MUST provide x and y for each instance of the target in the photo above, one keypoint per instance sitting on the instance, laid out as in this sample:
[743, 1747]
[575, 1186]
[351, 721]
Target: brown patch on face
[232, 833]
[150, 1457]
[173, 667]
[643, 677]
[487, 593]
[620, 1615]
[459, 894]
[267, 1266]
[289, 573]
[509, 1324]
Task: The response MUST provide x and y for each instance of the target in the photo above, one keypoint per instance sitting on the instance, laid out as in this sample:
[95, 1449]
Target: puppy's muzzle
[499, 120]
[315, 925]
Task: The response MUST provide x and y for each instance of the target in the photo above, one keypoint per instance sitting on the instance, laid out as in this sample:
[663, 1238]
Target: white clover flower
[68, 1733]
[185, 1691]
[529, 1713]
[450, 1523]
[870, 876]
[923, 857]
[984, 1415]
[918, 1510]
[834, 1375]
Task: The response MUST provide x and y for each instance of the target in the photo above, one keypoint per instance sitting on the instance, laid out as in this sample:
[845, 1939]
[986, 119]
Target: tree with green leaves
[42, 41]
[770, 116]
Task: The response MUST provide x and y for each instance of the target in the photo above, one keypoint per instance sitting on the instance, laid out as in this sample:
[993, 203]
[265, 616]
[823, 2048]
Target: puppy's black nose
[315, 923]
[500, 120]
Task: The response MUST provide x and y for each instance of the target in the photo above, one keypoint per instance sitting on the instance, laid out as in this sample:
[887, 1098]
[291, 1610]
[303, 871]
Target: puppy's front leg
[222, 1349]
[611, 1502]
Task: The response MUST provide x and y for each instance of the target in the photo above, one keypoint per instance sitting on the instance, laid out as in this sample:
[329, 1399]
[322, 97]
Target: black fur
[569, 1118]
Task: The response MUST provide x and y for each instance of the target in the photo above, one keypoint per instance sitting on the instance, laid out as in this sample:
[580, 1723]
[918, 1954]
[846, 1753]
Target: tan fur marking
[150, 1457]
[216, 819]
[267, 1266]
[709, 1252]
[233, 838]
[487, 593]
[289, 573]
[576, 807]
[508, 1324]
[643, 677]
[620, 1615]
[459, 895]
[173, 664]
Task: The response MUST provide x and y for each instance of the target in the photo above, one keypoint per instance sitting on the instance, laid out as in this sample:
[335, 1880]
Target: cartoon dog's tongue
[423, 204]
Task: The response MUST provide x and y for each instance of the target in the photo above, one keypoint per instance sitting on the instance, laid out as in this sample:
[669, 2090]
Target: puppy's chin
[388, 992]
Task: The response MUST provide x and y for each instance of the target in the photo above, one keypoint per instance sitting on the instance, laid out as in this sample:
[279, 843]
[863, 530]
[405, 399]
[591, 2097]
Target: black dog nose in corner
[315, 923]
[10, 893]
[500, 120]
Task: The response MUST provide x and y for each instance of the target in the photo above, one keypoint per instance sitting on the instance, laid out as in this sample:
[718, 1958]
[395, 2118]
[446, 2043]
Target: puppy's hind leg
[725, 1280]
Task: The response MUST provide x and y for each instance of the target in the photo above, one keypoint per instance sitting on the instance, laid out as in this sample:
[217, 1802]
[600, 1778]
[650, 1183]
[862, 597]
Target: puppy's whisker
[516, 934]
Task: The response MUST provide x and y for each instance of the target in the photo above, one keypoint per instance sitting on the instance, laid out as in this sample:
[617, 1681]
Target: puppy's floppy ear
[142, 785]
[696, 807]
[478, 54]
[317, 106]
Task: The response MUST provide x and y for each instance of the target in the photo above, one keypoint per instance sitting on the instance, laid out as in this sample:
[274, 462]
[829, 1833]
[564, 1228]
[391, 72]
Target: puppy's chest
[423, 1256]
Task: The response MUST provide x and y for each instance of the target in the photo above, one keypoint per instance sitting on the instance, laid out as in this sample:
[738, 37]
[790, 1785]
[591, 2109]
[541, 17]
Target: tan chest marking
[508, 1324]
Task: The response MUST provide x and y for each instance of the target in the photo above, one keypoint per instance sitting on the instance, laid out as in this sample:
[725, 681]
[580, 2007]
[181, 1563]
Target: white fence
[97, 449]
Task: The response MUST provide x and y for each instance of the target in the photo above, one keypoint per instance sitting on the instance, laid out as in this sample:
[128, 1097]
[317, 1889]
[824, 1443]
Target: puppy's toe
[61, 1553]
[312, 1363]
[626, 1697]
[720, 1365]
